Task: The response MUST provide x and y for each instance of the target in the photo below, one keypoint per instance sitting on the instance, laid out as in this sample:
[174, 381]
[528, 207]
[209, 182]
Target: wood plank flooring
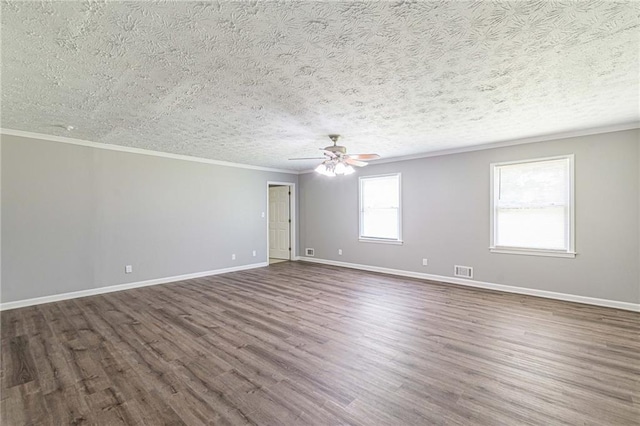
[304, 344]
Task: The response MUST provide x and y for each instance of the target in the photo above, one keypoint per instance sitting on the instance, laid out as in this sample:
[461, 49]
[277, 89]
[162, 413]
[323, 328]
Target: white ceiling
[259, 82]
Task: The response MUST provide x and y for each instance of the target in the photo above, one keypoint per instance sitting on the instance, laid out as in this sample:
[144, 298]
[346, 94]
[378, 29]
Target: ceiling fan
[337, 161]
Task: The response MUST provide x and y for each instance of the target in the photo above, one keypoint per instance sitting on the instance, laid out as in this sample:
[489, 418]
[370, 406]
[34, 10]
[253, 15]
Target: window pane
[533, 184]
[380, 223]
[380, 207]
[542, 228]
[532, 204]
[380, 192]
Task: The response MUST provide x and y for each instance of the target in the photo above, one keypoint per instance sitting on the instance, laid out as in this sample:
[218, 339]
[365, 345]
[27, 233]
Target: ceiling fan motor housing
[336, 149]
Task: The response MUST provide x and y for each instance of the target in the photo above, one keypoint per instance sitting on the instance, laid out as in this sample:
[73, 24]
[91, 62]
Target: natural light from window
[380, 208]
[533, 206]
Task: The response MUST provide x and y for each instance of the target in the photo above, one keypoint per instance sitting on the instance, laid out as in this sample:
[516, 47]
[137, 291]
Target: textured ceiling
[259, 82]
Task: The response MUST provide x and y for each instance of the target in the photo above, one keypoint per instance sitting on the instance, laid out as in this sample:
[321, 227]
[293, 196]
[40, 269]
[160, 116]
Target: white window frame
[570, 230]
[366, 239]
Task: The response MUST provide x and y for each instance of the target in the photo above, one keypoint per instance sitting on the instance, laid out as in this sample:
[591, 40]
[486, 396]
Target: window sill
[380, 241]
[532, 252]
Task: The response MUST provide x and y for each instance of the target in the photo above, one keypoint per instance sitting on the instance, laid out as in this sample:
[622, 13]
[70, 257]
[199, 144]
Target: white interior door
[279, 225]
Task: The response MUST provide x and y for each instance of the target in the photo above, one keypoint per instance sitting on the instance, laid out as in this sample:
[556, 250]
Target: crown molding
[480, 147]
[131, 150]
[513, 142]
[492, 145]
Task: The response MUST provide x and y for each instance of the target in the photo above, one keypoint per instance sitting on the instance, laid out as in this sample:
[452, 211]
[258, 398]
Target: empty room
[320, 213]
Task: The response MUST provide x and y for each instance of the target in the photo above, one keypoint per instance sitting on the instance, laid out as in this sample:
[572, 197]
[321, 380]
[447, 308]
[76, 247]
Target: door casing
[292, 215]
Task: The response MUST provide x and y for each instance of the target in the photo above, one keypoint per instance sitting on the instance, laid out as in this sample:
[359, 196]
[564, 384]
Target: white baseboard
[440, 278]
[101, 290]
[479, 284]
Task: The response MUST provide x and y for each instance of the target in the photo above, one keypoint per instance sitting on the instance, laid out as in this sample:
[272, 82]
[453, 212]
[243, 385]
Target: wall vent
[463, 271]
[310, 252]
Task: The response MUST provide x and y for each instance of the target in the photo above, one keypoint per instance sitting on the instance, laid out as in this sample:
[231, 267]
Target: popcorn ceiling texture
[259, 82]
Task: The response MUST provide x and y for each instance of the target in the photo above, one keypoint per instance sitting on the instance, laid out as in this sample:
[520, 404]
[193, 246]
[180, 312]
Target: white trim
[131, 150]
[0, 219]
[460, 281]
[531, 252]
[292, 215]
[365, 238]
[570, 229]
[380, 241]
[501, 144]
[119, 287]
[486, 285]
[492, 145]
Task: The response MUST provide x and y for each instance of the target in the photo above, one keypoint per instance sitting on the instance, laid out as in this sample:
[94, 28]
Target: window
[533, 207]
[380, 215]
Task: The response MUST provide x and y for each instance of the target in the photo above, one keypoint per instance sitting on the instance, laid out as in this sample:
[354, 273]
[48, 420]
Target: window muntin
[533, 206]
[380, 211]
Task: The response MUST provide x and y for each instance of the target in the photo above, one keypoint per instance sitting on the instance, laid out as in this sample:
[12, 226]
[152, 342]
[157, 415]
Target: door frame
[292, 216]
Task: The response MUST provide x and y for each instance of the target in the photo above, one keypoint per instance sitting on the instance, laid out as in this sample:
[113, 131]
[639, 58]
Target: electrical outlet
[254, 253]
[425, 262]
[339, 252]
[128, 269]
[233, 257]
[262, 215]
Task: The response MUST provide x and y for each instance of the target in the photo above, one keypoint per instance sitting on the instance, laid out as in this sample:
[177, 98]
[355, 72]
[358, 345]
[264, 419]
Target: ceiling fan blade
[308, 158]
[331, 154]
[364, 156]
[356, 163]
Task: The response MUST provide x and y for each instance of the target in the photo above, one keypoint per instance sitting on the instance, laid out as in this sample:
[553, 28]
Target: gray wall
[446, 218]
[74, 216]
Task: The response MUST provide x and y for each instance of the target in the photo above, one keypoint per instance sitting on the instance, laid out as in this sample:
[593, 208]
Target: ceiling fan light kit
[334, 167]
[336, 160]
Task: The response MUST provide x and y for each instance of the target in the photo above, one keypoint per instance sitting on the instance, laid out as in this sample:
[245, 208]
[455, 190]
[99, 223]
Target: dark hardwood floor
[305, 344]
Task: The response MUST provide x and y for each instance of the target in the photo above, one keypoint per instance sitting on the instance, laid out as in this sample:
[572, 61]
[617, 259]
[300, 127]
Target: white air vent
[463, 271]
[310, 252]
